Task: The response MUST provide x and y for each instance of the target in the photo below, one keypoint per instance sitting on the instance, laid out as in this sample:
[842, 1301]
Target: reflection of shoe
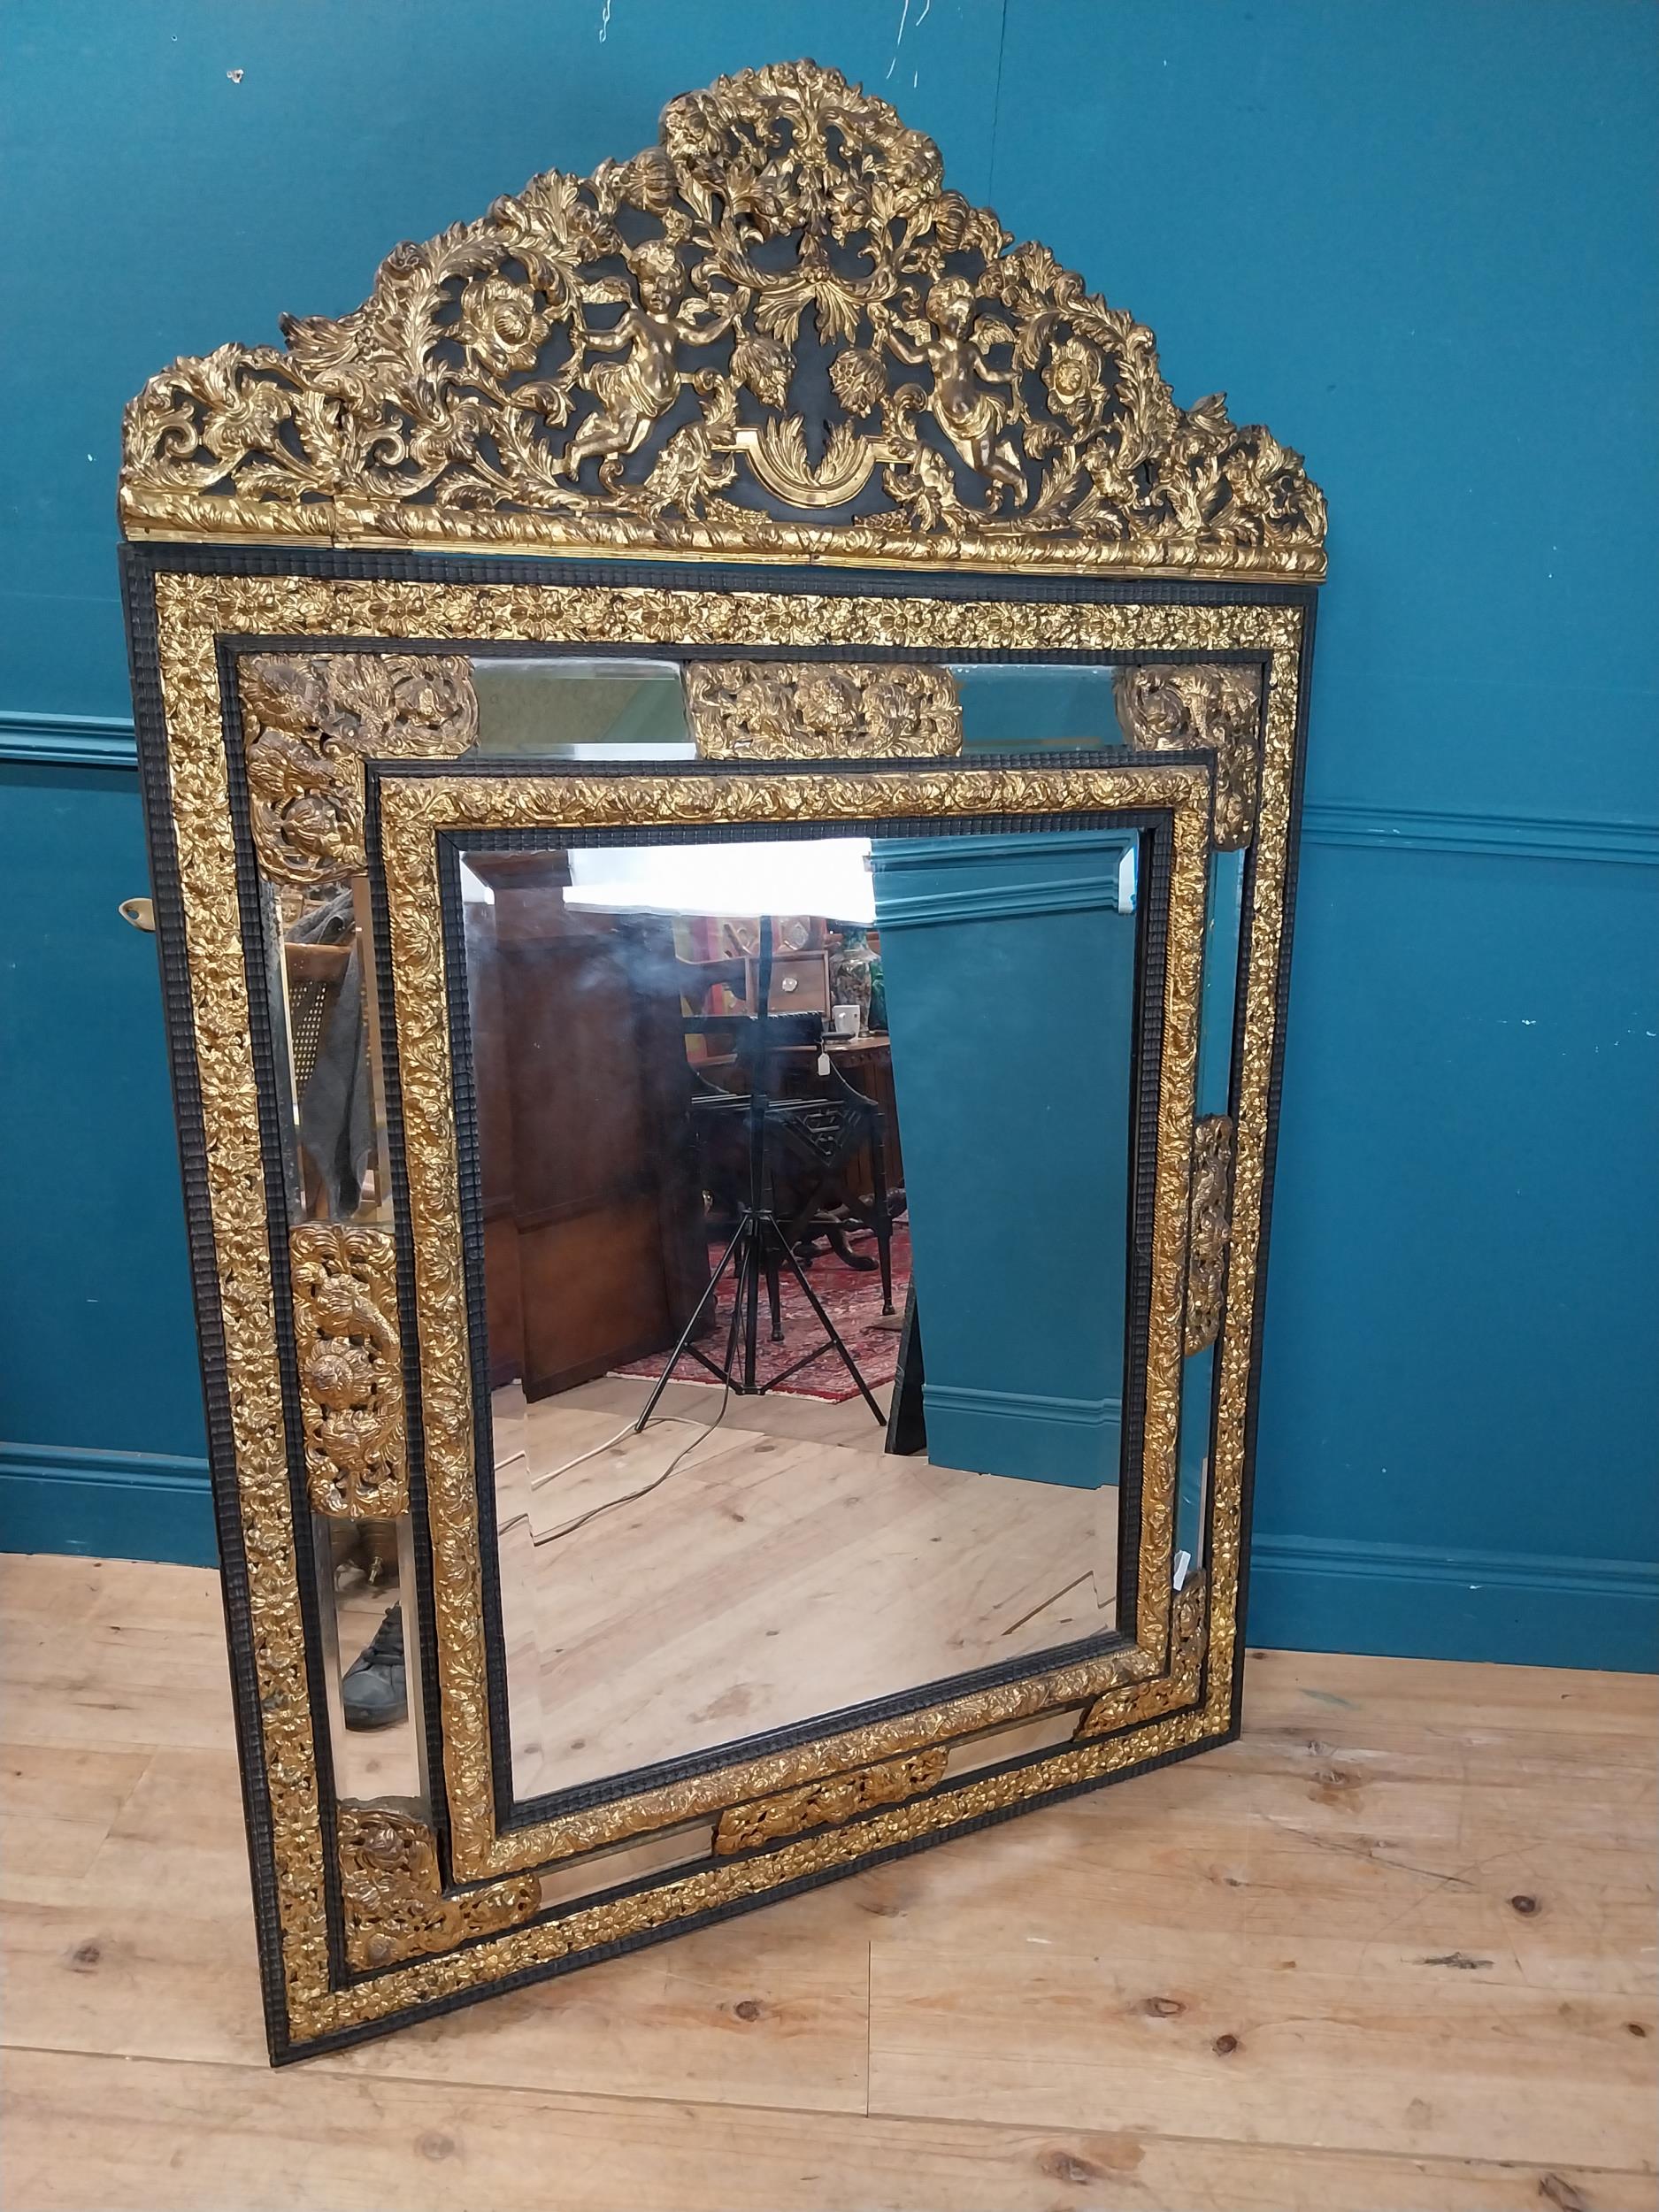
[374, 1694]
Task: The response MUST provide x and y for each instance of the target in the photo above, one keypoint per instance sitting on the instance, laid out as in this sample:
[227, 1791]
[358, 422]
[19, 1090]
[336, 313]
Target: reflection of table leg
[883, 1222]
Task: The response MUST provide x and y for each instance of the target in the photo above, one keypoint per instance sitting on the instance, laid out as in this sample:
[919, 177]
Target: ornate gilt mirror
[722, 764]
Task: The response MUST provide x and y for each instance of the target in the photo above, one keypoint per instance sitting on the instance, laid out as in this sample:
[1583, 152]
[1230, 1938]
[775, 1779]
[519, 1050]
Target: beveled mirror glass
[726, 1110]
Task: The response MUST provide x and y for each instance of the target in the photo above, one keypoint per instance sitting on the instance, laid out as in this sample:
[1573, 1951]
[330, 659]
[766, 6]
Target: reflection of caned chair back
[309, 1005]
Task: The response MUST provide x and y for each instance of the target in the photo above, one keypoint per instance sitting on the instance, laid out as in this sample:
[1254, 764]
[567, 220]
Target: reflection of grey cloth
[336, 1113]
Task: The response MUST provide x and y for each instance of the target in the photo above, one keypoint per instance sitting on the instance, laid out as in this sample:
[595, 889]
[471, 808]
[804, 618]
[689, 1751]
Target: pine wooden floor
[1395, 1950]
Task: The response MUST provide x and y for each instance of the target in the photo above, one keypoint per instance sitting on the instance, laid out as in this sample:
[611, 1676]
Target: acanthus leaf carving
[820, 710]
[393, 1895]
[1176, 710]
[348, 1362]
[310, 720]
[624, 360]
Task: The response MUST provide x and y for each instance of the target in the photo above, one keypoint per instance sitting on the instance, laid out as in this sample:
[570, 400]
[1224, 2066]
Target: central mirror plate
[803, 1164]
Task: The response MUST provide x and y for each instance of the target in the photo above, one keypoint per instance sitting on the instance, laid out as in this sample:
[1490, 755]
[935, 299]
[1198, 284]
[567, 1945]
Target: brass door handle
[140, 912]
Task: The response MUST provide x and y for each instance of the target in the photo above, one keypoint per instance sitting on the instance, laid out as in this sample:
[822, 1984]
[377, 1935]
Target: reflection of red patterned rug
[852, 1300]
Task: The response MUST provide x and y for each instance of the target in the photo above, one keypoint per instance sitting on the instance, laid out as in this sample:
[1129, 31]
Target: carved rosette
[1189, 1632]
[1178, 709]
[309, 723]
[1207, 1240]
[392, 1893]
[643, 357]
[821, 710]
[825, 1804]
[351, 1377]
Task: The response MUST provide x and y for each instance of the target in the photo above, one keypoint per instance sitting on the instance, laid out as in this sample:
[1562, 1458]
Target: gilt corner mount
[776, 334]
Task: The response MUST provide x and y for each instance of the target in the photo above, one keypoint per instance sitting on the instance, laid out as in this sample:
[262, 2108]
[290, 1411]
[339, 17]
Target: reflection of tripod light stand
[758, 1250]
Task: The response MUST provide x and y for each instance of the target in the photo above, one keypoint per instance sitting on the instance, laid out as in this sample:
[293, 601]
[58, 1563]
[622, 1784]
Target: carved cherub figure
[635, 392]
[969, 412]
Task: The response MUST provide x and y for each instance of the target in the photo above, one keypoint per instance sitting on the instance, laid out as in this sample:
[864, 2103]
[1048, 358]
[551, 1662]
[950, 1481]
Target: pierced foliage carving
[821, 710]
[825, 1804]
[1174, 709]
[775, 332]
[1207, 1246]
[351, 1384]
[312, 720]
[393, 1891]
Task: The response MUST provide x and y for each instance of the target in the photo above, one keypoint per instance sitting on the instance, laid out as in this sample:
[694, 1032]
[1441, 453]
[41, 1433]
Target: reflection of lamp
[828, 876]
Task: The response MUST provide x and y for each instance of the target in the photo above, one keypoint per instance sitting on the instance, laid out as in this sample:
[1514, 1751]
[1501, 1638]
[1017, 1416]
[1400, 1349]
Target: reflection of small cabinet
[800, 983]
[593, 1215]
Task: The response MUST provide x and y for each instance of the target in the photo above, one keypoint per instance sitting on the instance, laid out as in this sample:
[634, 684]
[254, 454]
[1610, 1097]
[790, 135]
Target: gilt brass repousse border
[350, 1369]
[192, 612]
[392, 1891]
[309, 721]
[414, 811]
[820, 710]
[1207, 1243]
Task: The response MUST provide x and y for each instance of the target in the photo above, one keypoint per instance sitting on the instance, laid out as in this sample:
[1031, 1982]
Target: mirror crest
[775, 333]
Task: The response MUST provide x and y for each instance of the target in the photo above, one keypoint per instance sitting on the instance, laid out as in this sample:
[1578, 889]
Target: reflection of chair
[776, 1170]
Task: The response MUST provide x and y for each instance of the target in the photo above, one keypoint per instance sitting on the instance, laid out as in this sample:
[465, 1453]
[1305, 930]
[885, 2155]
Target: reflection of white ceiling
[827, 876]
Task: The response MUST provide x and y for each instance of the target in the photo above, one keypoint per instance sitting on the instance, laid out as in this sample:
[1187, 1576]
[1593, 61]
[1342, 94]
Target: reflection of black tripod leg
[690, 1330]
[832, 1333]
[750, 1300]
[746, 1260]
[773, 1295]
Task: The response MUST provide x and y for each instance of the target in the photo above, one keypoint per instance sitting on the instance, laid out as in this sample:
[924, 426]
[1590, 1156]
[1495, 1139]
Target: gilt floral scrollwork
[392, 1891]
[1189, 1633]
[310, 720]
[633, 357]
[1176, 710]
[1207, 1244]
[807, 711]
[192, 612]
[351, 1384]
[826, 1803]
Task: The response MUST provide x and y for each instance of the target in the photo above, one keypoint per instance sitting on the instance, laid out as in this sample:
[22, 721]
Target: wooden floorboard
[1393, 1951]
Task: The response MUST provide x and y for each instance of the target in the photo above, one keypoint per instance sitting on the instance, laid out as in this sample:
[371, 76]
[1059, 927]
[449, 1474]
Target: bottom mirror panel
[802, 1204]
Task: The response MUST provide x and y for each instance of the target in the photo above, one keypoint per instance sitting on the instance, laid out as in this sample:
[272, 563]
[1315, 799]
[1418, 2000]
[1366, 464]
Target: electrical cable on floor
[704, 1429]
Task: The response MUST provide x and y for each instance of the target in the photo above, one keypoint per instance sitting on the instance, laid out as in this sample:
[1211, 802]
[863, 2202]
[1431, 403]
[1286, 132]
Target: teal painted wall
[1417, 239]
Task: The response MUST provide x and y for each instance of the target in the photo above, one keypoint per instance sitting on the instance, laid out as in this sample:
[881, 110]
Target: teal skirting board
[106, 1505]
[1310, 1596]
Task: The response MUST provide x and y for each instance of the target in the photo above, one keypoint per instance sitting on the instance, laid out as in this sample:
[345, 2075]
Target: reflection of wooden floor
[786, 1567]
